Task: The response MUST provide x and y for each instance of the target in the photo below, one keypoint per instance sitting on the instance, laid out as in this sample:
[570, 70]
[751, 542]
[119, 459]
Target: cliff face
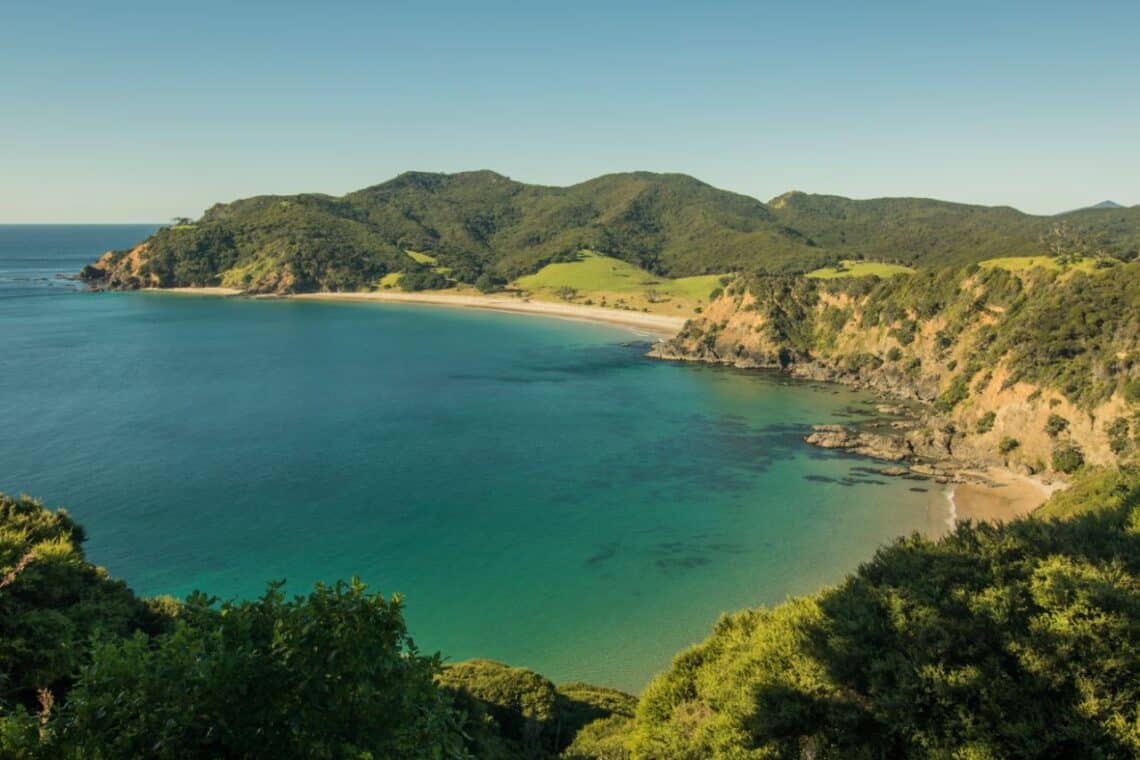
[963, 348]
[121, 270]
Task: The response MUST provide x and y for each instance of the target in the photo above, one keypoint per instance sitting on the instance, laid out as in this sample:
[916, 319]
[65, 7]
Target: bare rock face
[119, 270]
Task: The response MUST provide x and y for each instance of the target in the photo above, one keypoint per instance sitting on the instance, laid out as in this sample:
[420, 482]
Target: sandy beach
[1003, 496]
[659, 325]
[211, 291]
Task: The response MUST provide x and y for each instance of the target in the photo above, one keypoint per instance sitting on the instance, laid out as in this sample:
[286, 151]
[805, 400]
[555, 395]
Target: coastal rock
[875, 445]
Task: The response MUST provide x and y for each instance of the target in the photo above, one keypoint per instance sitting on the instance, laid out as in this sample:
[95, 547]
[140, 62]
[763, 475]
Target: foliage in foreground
[1014, 641]
[90, 671]
[52, 601]
[1021, 640]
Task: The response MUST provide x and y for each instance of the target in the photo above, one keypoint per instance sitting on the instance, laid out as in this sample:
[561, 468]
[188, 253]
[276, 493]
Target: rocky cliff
[1037, 371]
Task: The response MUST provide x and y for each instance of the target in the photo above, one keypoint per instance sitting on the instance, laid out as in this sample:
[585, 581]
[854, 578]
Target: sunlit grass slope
[610, 281]
[1022, 263]
[850, 268]
[422, 258]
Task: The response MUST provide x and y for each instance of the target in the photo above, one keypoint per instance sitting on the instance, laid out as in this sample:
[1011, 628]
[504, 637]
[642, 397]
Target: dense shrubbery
[52, 602]
[1013, 641]
[329, 675]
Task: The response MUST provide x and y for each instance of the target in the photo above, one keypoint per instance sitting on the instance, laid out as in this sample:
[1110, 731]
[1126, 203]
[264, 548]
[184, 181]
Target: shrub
[905, 333]
[1067, 458]
[333, 674]
[986, 422]
[423, 279]
[1055, 425]
[1008, 444]
[1132, 390]
[488, 283]
[894, 354]
[957, 392]
[1118, 435]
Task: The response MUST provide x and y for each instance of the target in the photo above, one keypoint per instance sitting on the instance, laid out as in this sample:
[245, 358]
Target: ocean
[538, 491]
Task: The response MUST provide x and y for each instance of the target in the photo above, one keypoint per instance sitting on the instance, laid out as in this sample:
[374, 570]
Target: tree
[1067, 458]
[489, 283]
[330, 675]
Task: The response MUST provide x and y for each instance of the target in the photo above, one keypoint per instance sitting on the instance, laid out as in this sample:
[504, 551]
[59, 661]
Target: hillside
[925, 232]
[486, 229]
[1035, 368]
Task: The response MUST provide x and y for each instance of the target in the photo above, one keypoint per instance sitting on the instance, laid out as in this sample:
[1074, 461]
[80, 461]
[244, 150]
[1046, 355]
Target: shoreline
[660, 326]
[997, 495]
[976, 491]
[994, 494]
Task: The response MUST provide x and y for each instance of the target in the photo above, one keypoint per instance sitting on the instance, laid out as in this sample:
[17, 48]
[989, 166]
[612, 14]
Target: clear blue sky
[128, 112]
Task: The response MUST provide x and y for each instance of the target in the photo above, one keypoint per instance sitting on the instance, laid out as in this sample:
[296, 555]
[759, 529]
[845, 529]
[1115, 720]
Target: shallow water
[539, 492]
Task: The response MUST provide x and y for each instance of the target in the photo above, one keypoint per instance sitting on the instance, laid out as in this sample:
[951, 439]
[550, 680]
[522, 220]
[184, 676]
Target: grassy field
[608, 281]
[422, 258]
[850, 268]
[1021, 263]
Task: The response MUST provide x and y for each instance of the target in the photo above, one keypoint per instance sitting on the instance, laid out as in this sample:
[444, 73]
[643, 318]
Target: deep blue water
[539, 492]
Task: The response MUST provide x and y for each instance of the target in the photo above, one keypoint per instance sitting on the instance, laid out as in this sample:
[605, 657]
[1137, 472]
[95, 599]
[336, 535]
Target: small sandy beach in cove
[1003, 496]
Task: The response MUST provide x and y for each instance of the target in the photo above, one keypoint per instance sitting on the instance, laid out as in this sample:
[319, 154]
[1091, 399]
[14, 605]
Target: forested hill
[482, 224]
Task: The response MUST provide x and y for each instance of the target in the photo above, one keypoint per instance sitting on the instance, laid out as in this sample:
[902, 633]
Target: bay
[539, 492]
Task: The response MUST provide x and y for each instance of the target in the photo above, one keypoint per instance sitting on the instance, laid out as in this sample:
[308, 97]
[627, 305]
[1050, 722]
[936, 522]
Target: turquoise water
[538, 491]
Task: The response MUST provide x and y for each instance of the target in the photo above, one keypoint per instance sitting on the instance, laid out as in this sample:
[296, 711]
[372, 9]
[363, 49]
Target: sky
[139, 112]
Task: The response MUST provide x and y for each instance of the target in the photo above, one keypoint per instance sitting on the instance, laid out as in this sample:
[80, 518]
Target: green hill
[482, 224]
[925, 232]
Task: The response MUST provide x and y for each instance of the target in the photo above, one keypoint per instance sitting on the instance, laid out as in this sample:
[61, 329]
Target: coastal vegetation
[1034, 653]
[1012, 641]
[472, 225]
[1032, 367]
